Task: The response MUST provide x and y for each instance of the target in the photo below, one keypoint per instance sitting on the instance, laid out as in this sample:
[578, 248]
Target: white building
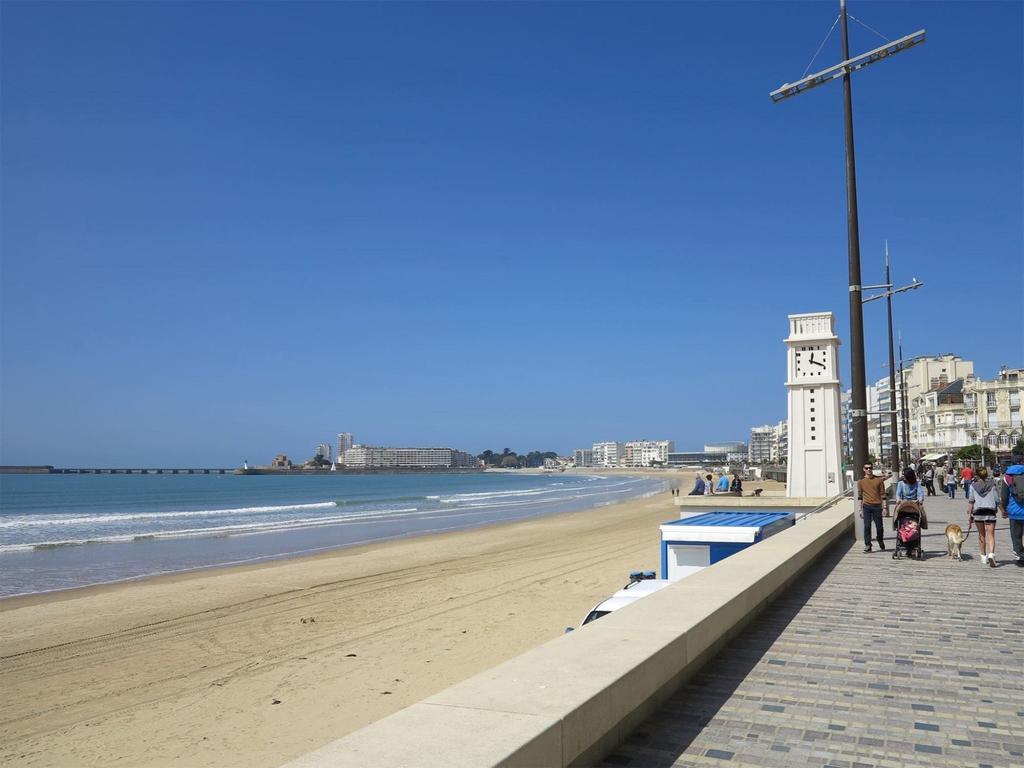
[924, 375]
[647, 453]
[344, 443]
[871, 399]
[993, 408]
[881, 403]
[583, 457]
[814, 466]
[762, 444]
[735, 451]
[939, 420]
[780, 442]
[607, 454]
[373, 457]
[966, 411]
[324, 449]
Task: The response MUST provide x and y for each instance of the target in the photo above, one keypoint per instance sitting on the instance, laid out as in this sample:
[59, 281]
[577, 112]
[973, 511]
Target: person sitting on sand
[698, 487]
[737, 484]
[709, 485]
[723, 484]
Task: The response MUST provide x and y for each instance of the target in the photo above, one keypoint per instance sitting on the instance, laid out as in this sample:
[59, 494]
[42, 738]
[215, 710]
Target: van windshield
[593, 615]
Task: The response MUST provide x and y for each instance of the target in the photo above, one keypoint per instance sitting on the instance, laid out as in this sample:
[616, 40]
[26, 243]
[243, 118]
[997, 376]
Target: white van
[636, 589]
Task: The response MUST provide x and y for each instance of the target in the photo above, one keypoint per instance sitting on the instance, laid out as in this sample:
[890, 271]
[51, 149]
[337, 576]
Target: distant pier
[47, 469]
[51, 470]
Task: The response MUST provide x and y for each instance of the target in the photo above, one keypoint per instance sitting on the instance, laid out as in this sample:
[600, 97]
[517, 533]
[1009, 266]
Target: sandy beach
[254, 665]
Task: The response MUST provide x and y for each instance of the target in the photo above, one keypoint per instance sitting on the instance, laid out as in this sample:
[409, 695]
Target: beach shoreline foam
[66, 533]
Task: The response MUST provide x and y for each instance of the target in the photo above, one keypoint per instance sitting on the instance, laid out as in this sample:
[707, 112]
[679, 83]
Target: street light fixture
[857, 62]
[915, 283]
[858, 410]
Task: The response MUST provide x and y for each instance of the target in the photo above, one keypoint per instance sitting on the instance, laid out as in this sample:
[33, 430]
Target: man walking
[929, 479]
[951, 482]
[1011, 504]
[967, 476]
[871, 493]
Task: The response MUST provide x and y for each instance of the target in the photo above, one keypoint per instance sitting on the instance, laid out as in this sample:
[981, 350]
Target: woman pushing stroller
[910, 518]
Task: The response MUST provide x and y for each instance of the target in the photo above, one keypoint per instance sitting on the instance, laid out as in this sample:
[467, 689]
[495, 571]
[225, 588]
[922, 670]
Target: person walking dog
[871, 493]
[981, 506]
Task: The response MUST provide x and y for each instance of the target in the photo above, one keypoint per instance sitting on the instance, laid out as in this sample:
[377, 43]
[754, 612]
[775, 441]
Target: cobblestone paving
[866, 661]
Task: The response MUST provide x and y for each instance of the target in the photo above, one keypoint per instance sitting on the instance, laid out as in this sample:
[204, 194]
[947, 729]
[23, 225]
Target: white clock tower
[814, 457]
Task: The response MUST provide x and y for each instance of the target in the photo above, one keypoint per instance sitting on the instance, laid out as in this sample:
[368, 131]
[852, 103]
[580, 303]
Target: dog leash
[970, 522]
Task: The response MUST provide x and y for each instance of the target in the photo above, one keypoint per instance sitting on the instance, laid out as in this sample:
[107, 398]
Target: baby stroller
[908, 523]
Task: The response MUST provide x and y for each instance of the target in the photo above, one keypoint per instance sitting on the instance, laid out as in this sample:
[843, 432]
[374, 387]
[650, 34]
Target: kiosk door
[684, 559]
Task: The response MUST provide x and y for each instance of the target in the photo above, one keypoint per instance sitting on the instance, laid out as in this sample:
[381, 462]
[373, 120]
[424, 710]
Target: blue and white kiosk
[695, 542]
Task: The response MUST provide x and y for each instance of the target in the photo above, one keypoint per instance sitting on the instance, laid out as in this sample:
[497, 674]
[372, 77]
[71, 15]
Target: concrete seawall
[571, 700]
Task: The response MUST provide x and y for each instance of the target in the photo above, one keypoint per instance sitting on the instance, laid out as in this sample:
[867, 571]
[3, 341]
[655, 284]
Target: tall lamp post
[858, 411]
[906, 413]
[894, 456]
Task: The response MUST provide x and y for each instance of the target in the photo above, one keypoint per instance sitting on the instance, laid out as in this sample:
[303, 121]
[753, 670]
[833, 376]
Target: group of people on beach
[988, 495]
[705, 485]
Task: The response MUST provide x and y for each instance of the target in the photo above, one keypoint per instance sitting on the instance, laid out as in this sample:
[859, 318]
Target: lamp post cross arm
[836, 71]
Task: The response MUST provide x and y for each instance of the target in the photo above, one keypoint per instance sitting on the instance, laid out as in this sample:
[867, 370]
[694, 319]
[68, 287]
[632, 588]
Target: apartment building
[761, 446]
[881, 404]
[583, 457]
[735, 451]
[939, 419]
[344, 443]
[647, 453]
[780, 446]
[875, 436]
[607, 454]
[374, 457]
[992, 409]
[925, 377]
[969, 411]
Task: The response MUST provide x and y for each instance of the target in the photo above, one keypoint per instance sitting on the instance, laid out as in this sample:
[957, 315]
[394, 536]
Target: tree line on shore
[509, 459]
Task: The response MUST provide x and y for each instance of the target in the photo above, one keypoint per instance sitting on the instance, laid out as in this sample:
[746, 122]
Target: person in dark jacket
[698, 487]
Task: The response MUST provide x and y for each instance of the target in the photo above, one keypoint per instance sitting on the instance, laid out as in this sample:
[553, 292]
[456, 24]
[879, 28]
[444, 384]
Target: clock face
[811, 361]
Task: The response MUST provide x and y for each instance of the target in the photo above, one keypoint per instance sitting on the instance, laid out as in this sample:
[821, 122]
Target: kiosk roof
[728, 518]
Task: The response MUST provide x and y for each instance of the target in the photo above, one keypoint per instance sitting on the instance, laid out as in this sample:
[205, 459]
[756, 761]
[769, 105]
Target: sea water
[61, 531]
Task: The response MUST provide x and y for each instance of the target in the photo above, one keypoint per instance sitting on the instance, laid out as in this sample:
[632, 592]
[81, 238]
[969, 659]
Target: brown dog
[954, 540]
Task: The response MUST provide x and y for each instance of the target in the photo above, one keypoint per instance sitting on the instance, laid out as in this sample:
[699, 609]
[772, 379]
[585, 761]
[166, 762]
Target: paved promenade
[865, 661]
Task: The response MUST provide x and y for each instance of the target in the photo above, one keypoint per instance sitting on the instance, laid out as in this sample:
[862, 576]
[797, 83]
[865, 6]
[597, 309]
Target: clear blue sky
[230, 230]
